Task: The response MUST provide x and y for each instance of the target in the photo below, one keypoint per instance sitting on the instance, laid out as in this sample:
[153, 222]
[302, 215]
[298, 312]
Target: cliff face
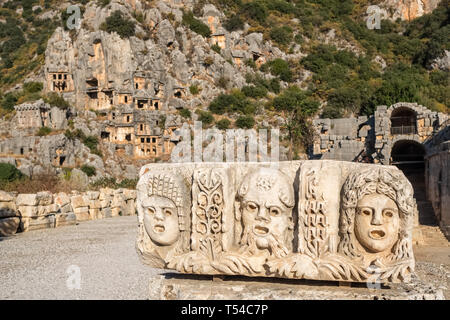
[162, 60]
[409, 9]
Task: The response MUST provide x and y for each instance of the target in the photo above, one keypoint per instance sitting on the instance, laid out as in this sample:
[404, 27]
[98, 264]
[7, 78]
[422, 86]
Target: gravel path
[34, 265]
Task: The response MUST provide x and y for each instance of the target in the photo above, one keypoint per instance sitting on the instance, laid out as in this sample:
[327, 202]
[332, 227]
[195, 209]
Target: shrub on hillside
[89, 170]
[280, 68]
[43, 131]
[281, 35]
[195, 25]
[55, 100]
[245, 122]
[255, 10]
[223, 124]
[205, 117]
[185, 113]
[9, 173]
[120, 24]
[234, 23]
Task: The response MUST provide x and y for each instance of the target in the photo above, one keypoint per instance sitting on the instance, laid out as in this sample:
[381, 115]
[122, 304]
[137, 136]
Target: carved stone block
[324, 220]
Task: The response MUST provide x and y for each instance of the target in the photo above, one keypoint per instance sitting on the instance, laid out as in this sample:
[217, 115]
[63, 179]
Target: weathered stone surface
[28, 211]
[82, 214]
[178, 287]
[106, 212]
[9, 226]
[65, 219]
[8, 209]
[26, 200]
[36, 223]
[95, 214]
[93, 195]
[78, 202]
[5, 196]
[46, 210]
[95, 204]
[129, 194]
[130, 208]
[116, 211]
[62, 199]
[325, 220]
[44, 198]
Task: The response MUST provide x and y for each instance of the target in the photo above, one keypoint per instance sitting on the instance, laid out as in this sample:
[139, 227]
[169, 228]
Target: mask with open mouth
[376, 222]
[161, 220]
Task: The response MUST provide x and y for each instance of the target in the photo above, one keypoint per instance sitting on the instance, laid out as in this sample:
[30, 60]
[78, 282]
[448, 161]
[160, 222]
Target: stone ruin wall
[437, 174]
[26, 212]
[371, 139]
[351, 139]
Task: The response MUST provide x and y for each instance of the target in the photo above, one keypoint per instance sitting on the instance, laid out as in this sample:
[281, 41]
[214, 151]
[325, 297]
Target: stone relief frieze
[325, 220]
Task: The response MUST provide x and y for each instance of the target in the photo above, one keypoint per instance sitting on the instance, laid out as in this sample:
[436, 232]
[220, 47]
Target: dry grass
[43, 182]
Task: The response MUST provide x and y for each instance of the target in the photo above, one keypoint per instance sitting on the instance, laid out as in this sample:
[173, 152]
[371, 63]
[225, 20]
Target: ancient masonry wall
[438, 185]
[26, 212]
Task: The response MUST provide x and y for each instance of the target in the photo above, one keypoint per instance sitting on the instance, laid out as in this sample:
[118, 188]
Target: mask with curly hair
[377, 208]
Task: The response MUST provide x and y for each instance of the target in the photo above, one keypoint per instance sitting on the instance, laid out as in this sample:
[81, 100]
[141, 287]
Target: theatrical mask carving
[266, 199]
[377, 210]
[163, 208]
[235, 219]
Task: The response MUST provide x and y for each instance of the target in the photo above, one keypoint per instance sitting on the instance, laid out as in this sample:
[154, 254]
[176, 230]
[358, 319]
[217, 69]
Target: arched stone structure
[385, 138]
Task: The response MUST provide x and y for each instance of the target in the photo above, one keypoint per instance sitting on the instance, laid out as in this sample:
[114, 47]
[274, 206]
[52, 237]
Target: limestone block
[115, 212]
[105, 203]
[26, 200]
[106, 212]
[6, 197]
[78, 202]
[8, 209]
[95, 204]
[182, 287]
[82, 213]
[320, 220]
[129, 194]
[95, 214]
[9, 226]
[93, 195]
[28, 211]
[44, 198]
[36, 223]
[129, 208]
[66, 208]
[46, 210]
[65, 219]
[61, 199]
[105, 193]
[118, 200]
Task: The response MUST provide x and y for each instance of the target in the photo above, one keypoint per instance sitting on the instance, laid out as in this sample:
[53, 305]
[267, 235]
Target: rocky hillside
[228, 63]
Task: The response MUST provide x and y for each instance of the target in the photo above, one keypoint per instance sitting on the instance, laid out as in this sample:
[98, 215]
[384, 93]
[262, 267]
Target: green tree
[296, 106]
